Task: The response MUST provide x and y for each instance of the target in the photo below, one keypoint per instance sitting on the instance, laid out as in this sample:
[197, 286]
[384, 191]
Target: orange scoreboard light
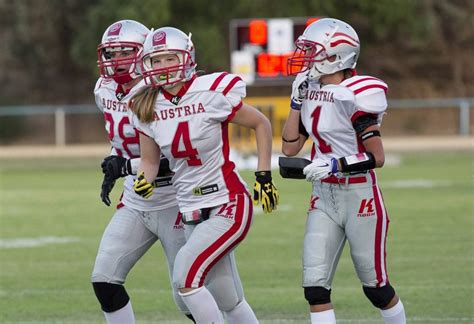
[260, 48]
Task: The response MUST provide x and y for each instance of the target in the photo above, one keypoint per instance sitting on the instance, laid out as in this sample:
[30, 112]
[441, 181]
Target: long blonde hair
[143, 103]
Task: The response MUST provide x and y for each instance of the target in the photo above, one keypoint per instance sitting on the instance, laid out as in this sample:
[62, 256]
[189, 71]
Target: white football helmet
[326, 46]
[124, 35]
[168, 40]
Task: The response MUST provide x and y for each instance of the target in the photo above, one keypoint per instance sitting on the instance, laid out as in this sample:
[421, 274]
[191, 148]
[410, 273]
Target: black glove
[264, 191]
[115, 166]
[107, 185]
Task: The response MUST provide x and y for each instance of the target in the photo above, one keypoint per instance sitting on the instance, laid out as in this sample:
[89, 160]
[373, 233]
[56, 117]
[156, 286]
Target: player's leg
[170, 231]
[209, 242]
[366, 230]
[123, 243]
[323, 244]
[223, 281]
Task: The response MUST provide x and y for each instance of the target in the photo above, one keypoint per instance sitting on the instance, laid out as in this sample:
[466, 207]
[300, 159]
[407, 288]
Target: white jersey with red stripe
[191, 130]
[327, 114]
[124, 140]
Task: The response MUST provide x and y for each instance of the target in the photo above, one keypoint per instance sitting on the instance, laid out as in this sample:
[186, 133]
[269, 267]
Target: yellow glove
[143, 187]
[264, 191]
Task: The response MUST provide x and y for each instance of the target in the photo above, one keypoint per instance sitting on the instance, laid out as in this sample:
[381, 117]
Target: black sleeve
[363, 122]
[302, 130]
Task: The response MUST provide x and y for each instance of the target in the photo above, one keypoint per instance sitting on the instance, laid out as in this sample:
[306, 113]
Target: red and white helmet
[124, 35]
[316, 47]
[168, 40]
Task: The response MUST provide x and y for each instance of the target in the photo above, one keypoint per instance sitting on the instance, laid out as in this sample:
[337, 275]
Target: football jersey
[328, 112]
[191, 129]
[124, 140]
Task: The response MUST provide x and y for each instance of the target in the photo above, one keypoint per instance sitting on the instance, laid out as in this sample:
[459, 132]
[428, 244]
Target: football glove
[320, 169]
[115, 166]
[142, 187]
[107, 185]
[264, 191]
[299, 91]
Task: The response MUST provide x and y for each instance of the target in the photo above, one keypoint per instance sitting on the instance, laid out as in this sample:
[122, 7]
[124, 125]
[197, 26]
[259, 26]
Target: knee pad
[112, 297]
[380, 297]
[317, 295]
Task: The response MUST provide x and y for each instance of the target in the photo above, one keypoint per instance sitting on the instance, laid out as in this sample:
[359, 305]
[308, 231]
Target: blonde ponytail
[143, 103]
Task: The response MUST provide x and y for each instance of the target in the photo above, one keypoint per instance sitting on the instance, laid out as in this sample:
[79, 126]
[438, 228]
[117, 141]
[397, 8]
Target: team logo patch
[178, 224]
[159, 38]
[227, 211]
[366, 208]
[312, 203]
[115, 29]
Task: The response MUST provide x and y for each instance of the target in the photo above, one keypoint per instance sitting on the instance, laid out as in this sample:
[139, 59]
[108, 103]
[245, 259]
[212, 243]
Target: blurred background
[423, 49]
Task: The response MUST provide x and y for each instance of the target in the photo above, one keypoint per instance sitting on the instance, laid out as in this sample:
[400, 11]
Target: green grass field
[429, 198]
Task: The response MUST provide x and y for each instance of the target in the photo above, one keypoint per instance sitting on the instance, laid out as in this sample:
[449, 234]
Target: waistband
[350, 179]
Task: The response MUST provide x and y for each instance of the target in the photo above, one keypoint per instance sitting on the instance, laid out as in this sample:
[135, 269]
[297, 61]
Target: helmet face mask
[326, 46]
[166, 75]
[121, 38]
[160, 47]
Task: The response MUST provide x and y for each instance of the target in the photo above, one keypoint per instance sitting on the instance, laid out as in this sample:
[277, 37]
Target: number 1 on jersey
[323, 146]
[182, 132]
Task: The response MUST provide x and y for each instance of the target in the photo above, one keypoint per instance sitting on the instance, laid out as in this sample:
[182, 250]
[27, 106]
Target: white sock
[203, 306]
[394, 315]
[122, 316]
[242, 313]
[324, 317]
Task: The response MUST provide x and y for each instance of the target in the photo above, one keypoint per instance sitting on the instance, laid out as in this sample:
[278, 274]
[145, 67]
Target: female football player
[186, 117]
[342, 113]
[137, 223]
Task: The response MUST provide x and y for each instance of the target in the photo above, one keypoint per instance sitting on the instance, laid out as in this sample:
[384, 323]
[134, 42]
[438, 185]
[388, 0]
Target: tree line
[48, 47]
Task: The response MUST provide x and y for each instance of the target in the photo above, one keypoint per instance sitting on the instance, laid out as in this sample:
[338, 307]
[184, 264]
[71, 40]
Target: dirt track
[392, 144]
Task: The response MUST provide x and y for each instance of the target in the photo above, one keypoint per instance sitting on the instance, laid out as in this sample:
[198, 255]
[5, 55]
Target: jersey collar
[174, 99]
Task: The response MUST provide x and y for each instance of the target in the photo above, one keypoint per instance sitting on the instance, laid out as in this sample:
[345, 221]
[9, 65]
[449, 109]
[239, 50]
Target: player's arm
[264, 190]
[149, 165]
[292, 137]
[250, 117]
[372, 142]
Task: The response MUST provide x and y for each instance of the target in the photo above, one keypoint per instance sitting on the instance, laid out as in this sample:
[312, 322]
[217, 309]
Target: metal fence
[276, 108]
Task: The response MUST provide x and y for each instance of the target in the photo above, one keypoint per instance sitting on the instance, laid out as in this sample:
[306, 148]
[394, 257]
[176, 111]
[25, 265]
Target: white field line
[29, 242]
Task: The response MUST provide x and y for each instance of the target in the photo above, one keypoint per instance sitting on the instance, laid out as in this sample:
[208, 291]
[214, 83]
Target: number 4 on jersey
[189, 152]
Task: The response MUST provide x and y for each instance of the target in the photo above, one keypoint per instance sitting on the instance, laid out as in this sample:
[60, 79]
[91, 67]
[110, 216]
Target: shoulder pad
[230, 85]
[369, 93]
[101, 82]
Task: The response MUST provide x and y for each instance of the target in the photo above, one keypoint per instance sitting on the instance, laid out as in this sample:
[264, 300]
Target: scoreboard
[260, 48]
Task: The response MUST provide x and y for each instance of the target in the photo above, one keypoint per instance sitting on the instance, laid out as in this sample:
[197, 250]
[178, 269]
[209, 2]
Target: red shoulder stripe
[141, 132]
[217, 81]
[231, 84]
[370, 86]
[362, 80]
[234, 110]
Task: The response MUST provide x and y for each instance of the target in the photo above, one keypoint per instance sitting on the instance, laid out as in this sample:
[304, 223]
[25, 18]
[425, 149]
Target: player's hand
[143, 187]
[115, 166]
[264, 191]
[320, 169]
[107, 185]
[299, 91]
